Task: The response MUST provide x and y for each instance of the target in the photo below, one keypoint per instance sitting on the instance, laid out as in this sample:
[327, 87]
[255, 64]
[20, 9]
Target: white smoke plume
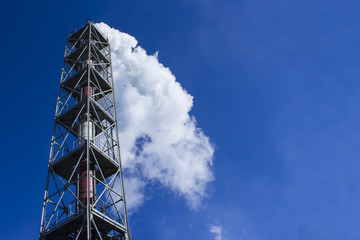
[160, 141]
[217, 231]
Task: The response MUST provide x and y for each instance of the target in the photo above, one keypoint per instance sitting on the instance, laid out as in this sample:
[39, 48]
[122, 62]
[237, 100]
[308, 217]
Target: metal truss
[84, 196]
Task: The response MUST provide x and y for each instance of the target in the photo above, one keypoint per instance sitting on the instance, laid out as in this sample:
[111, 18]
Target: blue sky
[276, 89]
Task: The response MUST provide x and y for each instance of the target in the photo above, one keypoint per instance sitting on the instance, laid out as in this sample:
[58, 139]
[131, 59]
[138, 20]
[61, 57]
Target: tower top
[83, 33]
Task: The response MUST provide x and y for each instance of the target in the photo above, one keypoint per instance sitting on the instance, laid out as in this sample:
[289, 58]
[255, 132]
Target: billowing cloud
[134, 194]
[160, 141]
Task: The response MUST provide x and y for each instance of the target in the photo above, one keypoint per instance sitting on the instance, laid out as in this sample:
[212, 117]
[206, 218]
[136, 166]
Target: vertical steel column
[128, 235]
[88, 143]
[42, 225]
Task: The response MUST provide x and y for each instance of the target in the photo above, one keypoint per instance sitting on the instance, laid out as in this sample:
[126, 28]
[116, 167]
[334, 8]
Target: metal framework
[84, 196]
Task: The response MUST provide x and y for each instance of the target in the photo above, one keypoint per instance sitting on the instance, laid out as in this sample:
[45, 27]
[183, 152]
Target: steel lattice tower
[84, 196]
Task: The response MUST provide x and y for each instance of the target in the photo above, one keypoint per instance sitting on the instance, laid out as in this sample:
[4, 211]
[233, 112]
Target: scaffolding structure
[84, 197]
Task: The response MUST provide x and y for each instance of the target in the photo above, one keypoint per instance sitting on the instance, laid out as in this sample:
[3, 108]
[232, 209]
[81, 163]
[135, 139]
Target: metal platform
[70, 117]
[83, 34]
[72, 84]
[72, 224]
[83, 52]
[64, 166]
[75, 59]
